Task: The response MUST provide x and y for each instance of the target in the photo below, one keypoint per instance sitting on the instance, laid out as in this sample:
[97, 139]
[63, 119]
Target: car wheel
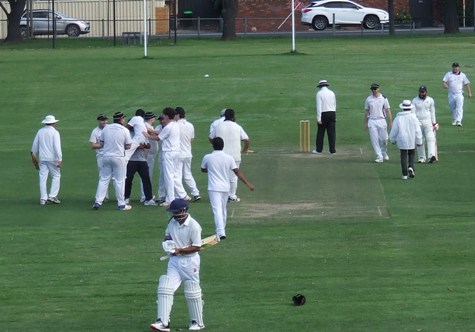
[371, 22]
[319, 23]
[73, 30]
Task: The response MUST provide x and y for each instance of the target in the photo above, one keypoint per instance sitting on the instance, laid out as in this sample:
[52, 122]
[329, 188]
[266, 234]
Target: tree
[13, 19]
[451, 20]
[229, 12]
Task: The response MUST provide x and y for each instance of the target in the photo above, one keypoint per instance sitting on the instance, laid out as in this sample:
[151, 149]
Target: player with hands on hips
[454, 81]
[424, 109]
[406, 133]
[182, 242]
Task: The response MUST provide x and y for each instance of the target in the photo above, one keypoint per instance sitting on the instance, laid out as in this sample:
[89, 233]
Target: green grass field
[369, 251]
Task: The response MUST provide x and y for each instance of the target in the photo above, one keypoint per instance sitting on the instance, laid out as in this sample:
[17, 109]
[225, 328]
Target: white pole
[145, 28]
[293, 25]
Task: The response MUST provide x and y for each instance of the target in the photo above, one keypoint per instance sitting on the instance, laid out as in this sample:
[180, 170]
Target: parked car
[42, 23]
[319, 14]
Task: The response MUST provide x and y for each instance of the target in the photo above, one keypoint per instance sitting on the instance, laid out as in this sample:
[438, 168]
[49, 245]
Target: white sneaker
[150, 203]
[142, 199]
[165, 205]
[159, 326]
[385, 156]
[421, 160]
[404, 177]
[43, 202]
[379, 161]
[54, 200]
[459, 124]
[126, 207]
[316, 152]
[187, 198]
[195, 326]
[410, 170]
[454, 122]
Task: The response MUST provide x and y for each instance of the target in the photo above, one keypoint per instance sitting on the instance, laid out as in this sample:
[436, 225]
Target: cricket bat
[205, 243]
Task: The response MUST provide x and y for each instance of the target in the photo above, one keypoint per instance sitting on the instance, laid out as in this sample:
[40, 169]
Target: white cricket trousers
[184, 169]
[429, 139]
[456, 106]
[150, 162]
[181, 268]
[233, 179]
[378, 134]
[99, 167]
[219, 201]
[49, 167]
[169, 161]
[161, 193]
[112, 167]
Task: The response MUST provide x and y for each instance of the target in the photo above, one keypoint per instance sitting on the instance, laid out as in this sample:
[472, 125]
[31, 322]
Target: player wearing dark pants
[407, 158]
[138, 164]
[326, 117]
[327, 124]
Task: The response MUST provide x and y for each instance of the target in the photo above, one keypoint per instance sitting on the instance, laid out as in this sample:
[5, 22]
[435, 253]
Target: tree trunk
[229, 12]
[13, 18]
[451, 21]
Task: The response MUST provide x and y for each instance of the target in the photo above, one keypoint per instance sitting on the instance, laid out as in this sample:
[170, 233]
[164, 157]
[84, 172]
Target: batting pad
[164, 299]
[195, 303]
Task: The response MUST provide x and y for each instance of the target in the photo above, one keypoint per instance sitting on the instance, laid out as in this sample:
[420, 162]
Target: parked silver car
[319, 14]
[41, 23]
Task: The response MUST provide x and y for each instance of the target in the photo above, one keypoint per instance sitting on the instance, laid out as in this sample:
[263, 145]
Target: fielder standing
[377, 112]
[183, 266]
[115, 140]
[232, 135]
[95, 142]
[454, 81]
[425, 113]
[170, 138]
[406, 133]
[219, 166]
[187, 135]
[47, 157]
[326, 117]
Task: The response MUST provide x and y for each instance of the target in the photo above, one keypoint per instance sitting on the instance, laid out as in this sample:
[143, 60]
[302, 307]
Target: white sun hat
[49, 119]
[406, 105]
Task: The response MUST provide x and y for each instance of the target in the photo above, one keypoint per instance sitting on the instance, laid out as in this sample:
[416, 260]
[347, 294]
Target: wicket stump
[304, 135]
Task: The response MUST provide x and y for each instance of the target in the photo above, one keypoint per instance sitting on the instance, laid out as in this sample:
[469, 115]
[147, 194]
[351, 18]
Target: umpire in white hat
[326, 117]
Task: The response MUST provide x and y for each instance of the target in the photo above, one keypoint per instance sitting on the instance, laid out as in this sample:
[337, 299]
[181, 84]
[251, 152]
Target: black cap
[118, 115]
[149, 115]
[374, 86]
[422, 88]
[455, 64]
[101, 117]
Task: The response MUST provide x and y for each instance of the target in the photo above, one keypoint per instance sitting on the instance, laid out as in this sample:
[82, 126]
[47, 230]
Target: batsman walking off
[377, 112]
[183, 266]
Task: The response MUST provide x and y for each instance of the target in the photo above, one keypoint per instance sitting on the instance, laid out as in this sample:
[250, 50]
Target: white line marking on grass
[361, 150]
[380, 213]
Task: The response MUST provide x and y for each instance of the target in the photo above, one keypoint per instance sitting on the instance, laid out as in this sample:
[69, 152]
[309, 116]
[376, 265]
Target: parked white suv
[319, 14]
[41, 23]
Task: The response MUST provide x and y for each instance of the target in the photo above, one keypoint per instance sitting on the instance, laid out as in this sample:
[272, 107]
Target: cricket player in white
[152, 152]
[377, 111]
[212, 127]
[170, 138]
[219, 166]
[232, 135]
[183, 266]
[140, 132]
[95, 143]
[115, 139]
[424, 109]
[161, 193]
[46, 150]
[187, 135]
[454, 81]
